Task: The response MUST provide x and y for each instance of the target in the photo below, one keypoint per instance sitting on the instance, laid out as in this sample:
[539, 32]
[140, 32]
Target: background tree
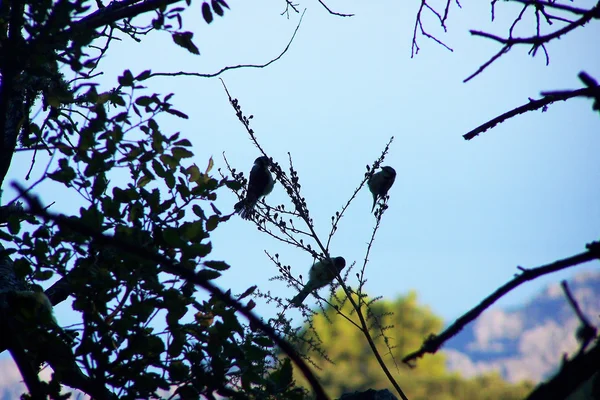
[348, 364]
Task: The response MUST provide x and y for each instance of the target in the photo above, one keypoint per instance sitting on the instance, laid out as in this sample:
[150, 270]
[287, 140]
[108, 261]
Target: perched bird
[32, 305]
[321, 274]
[260, 184]
[380, 183]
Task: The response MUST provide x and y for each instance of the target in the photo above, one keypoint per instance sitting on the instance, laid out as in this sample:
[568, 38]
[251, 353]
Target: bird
[32, 305]
[260, 184]
[321, 274]
[380, 182]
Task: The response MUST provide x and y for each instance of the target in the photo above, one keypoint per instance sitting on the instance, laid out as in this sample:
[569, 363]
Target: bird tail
[244, 208]
[299, 298]
[374, 202]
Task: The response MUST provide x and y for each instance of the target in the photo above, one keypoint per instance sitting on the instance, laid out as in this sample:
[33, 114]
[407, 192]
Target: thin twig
[338, 216]
[419, 24]
[214, 74]
[361, 278]
[486, 64]
[333, 12]
[574, 304]
[563, 7]
[586, 332]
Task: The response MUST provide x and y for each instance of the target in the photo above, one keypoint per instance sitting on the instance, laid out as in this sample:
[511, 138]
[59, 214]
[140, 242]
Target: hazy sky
[462, 214]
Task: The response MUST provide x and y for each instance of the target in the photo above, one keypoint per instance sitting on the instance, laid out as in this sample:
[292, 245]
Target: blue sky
[462, 214]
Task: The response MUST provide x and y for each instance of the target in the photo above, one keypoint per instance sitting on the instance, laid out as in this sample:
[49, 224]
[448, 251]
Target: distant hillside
[526, 342]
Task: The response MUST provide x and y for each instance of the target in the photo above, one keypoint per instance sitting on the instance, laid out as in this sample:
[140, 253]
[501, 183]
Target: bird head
[389, 172]
[339, 263]
[262, 161]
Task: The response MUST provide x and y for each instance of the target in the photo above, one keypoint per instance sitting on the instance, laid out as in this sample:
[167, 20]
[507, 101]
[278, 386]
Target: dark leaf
[178, 371]
[14, 224]
[212, 223]
[143, 76]
[126, 79]
[207, 274]
[181, 152]
[207, 13]
[198, 211]
[217, 8]
[248, 292]
[184, 39]
[183, 142]
[233, 185]
[177, 113]
[217, 265]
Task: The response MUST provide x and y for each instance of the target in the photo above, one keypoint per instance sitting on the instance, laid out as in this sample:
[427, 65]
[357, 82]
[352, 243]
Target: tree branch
[562, 7]
[433, 343]
[29, 375]
[114, 12]
[214, 74]
[586, 331]
[537, 40]
[333, 12]
[419, 25]
[8, 282]
[548, 98]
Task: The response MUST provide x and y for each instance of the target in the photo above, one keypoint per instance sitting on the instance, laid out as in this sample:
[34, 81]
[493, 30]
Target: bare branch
[433, 343]
[549, 98]
[419, 25]
[333, 12]
[563, 7]
[335, 220]
[214, 74]
[361, 277]
[590, 83]
[486, 64]
[586, 332]
[537, 40]
[288, 5]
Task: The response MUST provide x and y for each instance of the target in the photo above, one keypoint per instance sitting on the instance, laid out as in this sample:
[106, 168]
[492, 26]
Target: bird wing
[258, 183]
[321, 274]
[387, 184]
